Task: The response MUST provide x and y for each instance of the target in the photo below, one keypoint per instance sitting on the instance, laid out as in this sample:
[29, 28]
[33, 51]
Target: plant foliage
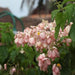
[63, 16]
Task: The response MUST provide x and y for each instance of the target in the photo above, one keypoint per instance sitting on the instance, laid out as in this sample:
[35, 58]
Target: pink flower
[12, 70]
[16, 40]
[27, 30]
[43, 62]
[66, 30]
[53, 54]
[56, 70]
[44, 65]
[26, 38]
[5, 66]
[44, 45]
[32, 41]
[20, 41]
[38, 44]
[19, 38]
[41, 56]
[48, 41]
[38, 28]
[41, 25]
[52, 36]
[34, 30]
[68, 41]
[42, 35]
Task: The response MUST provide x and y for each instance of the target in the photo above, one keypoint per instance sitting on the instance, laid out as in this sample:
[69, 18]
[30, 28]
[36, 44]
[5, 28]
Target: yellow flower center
[58, 65]
[38, 33]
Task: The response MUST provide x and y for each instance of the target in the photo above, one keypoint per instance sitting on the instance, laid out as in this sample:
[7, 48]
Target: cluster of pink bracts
[42, 36]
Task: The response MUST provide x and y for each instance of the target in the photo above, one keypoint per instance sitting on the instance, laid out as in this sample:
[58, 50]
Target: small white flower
[0, 67]
[22, 51]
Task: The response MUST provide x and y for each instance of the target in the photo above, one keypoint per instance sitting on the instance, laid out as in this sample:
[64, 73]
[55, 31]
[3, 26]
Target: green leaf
[65, 1]
[13, 55]
[69, 10]
[54, 13]
[3, 54]
[66, 65]
[6, 33]
[57, 31]
[60, 22]
[72, 32]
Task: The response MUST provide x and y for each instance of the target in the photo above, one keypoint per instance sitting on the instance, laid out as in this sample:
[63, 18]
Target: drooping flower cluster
[42, 37]
[43, 62]
[53, 53]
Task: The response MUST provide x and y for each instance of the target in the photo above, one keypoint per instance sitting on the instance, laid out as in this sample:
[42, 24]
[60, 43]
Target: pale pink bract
[32, 41]
[43, 62]
[42, 35]
[55, 70]
[53, 54]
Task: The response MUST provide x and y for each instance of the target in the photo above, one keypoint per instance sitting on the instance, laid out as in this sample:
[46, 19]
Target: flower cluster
[42, 37]
[43, 62]
[53, 53]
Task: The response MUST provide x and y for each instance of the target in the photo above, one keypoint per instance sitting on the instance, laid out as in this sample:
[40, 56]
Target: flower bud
[5, 66]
